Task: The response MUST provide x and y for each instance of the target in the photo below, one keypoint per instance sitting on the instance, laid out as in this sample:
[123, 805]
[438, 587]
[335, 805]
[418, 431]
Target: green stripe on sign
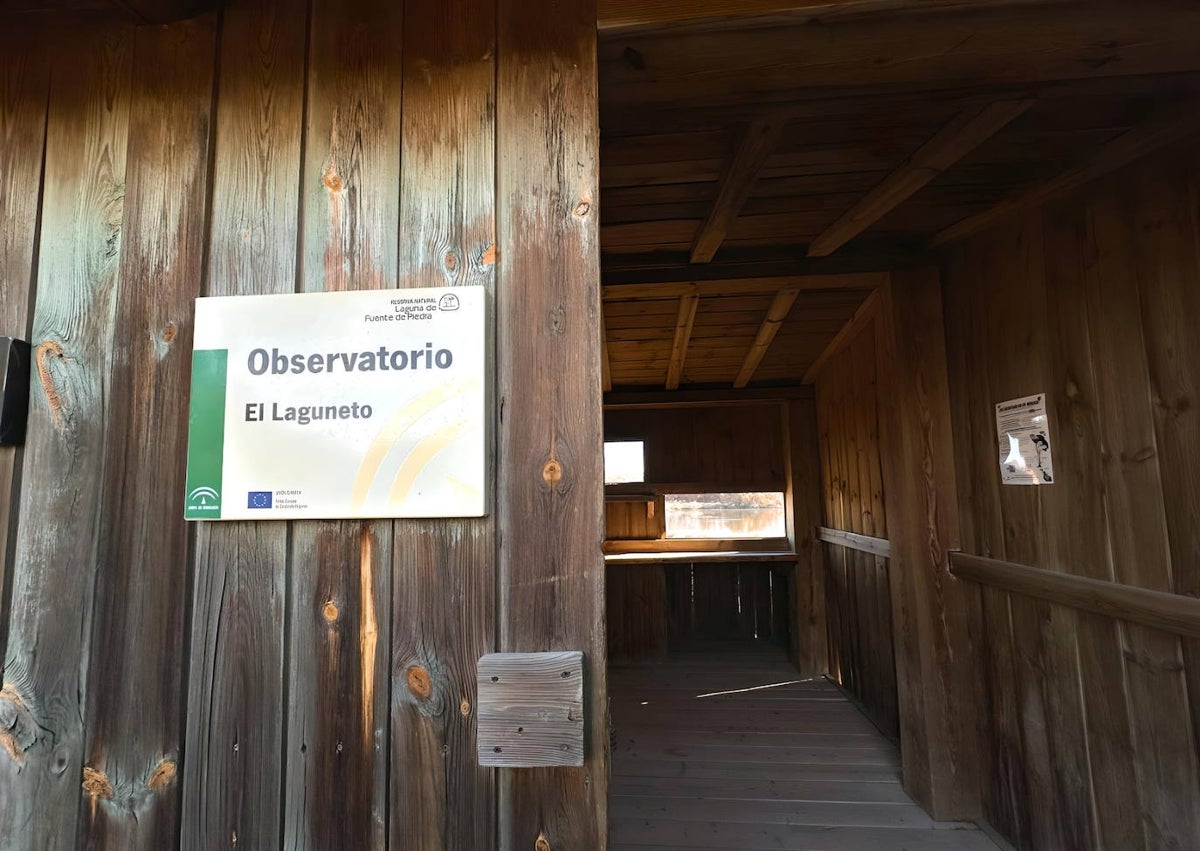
[206, 435]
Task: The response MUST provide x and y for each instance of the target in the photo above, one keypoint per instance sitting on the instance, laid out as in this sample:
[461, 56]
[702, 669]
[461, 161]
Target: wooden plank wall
[299, 685]
[857, 590]
[710, 604]
[734, 447]
[1094, 734]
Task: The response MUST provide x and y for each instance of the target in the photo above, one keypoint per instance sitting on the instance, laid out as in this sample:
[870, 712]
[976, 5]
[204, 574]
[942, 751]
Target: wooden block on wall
[531, 710]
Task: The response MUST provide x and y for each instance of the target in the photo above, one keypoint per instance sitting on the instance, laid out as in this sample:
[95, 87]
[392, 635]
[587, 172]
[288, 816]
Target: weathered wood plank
[46, 674]
[232, 778]
[136, 660]
[550, 460]
[25, 73]
[336, 765]
[443, 600]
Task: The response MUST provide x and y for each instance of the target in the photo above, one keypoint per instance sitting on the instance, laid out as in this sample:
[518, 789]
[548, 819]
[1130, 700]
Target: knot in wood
[465, 707]
[333, 181]
[49, 349]
[582, 209]
[95, 783]
[450, 261]
[162, 776]
[552, 473]
[330, 611]
[419, 682]
[542, 844]
[170, 332]
[489, 256]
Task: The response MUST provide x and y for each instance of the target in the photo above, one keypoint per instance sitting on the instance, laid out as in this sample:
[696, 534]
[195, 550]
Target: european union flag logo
[258, 499]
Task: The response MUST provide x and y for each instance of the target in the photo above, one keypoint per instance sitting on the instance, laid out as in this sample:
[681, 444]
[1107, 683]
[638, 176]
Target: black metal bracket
[14, 390]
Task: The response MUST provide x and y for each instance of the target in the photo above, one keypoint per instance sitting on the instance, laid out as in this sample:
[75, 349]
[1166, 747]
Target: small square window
[624, 461]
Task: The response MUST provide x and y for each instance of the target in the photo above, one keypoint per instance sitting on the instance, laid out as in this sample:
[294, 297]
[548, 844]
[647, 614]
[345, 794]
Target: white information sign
[338, 405]
[1024, 436]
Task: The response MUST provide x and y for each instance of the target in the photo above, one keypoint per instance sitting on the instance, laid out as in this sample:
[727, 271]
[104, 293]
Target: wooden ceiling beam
[1131, 145]
[776, 314]
[963, 134]
[742, 286]
[683, 336]
[757, 143]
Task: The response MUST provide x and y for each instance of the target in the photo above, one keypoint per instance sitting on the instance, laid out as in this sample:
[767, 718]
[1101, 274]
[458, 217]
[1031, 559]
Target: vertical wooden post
[53, 575]
[236, 682]
[935, 660]
[550, 500]
[810, 650]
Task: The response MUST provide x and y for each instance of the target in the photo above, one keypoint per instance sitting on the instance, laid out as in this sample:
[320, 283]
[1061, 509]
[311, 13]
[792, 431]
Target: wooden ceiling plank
[1129, 146]
[776, 314]
[865, 314]
[757, 144]
[683, 336]
[963, 134]
[743, 286]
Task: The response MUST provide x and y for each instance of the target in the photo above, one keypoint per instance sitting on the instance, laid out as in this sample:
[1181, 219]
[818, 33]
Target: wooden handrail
[854, 541]
[1159, 609]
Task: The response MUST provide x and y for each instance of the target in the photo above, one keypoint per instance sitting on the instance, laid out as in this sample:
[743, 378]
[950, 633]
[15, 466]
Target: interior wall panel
[1092, 733]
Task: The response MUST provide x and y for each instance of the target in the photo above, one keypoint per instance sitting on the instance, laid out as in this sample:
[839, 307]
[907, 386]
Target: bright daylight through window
[725, 515]
[624, 461]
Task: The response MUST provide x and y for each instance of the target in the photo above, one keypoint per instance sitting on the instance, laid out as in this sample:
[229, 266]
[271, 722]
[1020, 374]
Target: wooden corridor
[730, 749]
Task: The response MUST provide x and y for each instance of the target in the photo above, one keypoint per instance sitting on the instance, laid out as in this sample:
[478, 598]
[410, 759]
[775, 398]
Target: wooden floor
[729, 749]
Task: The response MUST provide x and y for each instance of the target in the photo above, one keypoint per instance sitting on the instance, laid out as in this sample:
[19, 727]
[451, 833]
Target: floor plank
[730, 749]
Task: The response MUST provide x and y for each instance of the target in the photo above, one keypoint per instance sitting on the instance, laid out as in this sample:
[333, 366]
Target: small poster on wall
[1023, 430]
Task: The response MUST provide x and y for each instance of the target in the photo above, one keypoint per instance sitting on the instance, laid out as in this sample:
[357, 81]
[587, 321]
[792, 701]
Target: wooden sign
[338, 405]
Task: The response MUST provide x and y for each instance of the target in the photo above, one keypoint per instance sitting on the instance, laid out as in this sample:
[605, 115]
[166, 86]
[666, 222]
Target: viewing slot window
[624, 461]
[725, 515]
